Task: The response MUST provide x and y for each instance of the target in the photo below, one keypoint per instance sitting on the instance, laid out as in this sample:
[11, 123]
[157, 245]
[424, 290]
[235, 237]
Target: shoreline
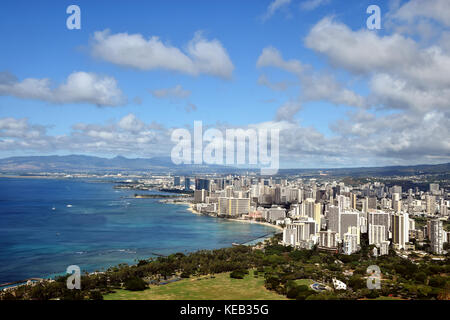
[190, 208]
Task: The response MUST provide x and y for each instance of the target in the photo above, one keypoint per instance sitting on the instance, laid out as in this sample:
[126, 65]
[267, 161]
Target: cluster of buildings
[330, 215]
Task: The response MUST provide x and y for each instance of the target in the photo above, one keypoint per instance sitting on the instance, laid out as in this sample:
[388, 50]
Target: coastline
[190, 208]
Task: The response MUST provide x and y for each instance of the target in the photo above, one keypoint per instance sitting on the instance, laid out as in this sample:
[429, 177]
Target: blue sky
[38, 45]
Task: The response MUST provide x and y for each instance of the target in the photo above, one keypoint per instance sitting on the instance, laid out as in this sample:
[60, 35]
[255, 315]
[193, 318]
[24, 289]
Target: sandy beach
[192, 210]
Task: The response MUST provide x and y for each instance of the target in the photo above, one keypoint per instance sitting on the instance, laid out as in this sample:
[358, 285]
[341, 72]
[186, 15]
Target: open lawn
[222, 287]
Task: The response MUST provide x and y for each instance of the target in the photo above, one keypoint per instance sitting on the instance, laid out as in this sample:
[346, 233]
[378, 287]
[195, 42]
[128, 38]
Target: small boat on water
[69, 206]
[53, 208]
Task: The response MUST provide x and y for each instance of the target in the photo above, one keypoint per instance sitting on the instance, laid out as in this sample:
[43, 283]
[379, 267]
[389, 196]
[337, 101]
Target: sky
[342, 95]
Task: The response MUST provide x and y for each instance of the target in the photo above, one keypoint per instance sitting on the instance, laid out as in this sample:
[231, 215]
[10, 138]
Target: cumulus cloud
[202, 56]
[79, 87]
[408, 78]
[399, 135]
[438, 10]
[324, 87]
[314, 85]
[275, 6]
[176, 92]
[402, 74]
[360, 51]
[358, 140]
[288, 110]
[277, 86]
[312, 4]
[271, 57]
[190, 107]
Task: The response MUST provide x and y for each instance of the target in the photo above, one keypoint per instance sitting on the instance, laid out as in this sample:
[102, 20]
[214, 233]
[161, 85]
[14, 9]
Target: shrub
[303, 288]
[135, 284]
[95, 295]
[292, 292]
[302, 295]
[237, 274]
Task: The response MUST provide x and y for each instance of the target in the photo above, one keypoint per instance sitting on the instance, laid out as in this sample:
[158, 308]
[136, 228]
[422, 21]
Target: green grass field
[222, 287]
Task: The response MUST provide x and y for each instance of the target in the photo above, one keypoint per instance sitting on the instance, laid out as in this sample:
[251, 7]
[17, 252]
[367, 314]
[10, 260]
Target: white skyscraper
[436, 235]
[400, 229]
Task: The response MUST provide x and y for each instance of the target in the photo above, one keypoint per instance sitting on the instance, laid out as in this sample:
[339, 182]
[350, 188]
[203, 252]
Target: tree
[95, 295]
[237, 274]
[135, 284]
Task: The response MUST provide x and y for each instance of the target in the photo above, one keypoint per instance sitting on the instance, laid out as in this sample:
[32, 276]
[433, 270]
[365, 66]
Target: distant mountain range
[443, 169]
[90, 164]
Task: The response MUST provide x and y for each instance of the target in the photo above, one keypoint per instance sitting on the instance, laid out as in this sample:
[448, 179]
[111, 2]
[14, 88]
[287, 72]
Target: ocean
[47, 225]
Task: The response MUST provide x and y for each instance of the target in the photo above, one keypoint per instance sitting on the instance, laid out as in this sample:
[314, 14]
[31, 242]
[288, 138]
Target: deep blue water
[104, 227]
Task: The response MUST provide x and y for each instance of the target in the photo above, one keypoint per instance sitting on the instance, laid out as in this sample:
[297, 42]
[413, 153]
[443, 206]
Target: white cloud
[131, 122]
[176, 92]
[275, 6]
[277, 86]
[438, 10]
[361, 139]
[360, 51]
[312, 4]
[402, 74]
[271, 57]
[315, 86]
[287, 111]
[324, 87]
[134, 50]
[80, 87]
[190, 107]
[398, 94]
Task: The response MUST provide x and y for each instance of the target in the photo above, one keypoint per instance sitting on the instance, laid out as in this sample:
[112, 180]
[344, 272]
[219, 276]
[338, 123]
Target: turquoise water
[103, 227]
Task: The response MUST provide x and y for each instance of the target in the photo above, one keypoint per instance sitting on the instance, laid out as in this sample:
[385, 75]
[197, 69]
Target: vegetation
[281, 270]
[135, 284]
[218, 287]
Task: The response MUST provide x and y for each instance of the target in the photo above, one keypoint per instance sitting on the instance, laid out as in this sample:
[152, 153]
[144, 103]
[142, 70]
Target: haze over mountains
[91, 164]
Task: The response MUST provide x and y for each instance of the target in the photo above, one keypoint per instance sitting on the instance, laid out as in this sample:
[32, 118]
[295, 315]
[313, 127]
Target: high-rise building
[377, 234]
[434, 188]
[187, 183]
[353, 200]
[372, 203]
[274, 213]
[397, 206]
[436, 236]
[202, 184]
[430, 204]
[343, 202]
[234, 206]
[334, 218]
[365, 205]
[327, 239]
[200, 195]
[348, 220]
[350, 241]
[379, 218]
[176, 181]
[277, 195]
[309, 207]
[299, 234]
[400, 229]
[396, 189]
